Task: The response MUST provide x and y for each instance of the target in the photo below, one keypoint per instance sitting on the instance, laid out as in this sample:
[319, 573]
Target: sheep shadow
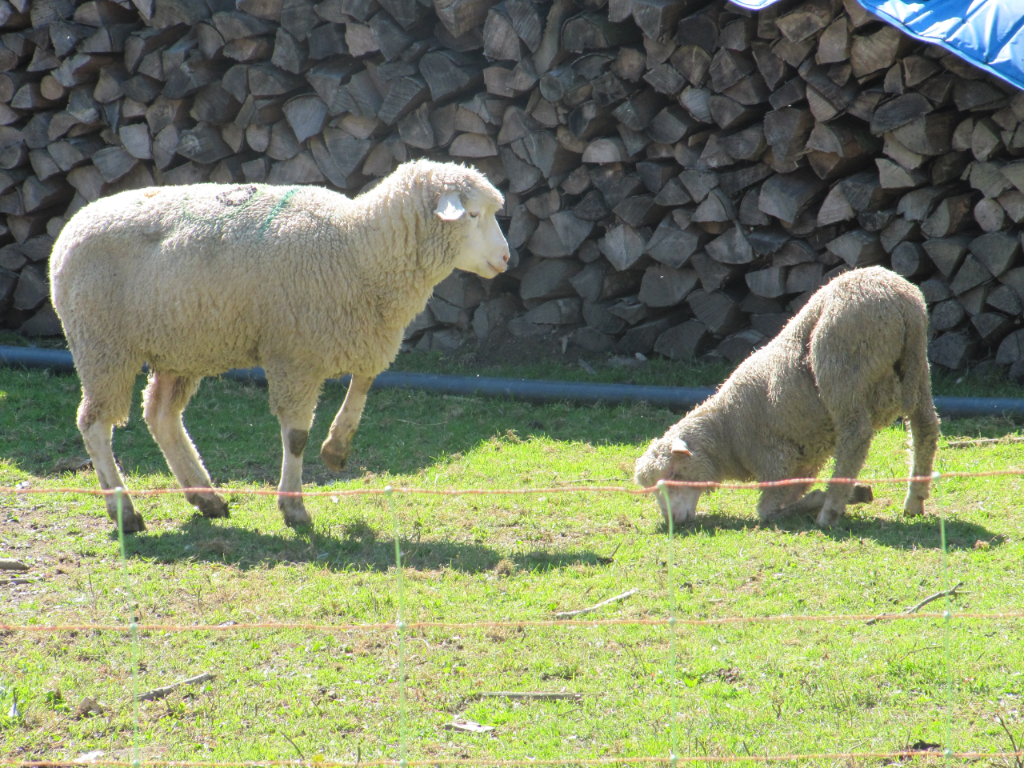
[356, 547]
[900, 533]
[239, 439]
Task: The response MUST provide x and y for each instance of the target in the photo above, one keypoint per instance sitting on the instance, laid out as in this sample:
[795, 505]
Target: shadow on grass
[908, 533]
[357, 548]
[401, 433]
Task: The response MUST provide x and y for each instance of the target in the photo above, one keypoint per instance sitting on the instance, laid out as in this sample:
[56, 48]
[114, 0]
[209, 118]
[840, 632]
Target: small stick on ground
[528, 695]
[159, 693]
[12, 565]
[301, 756]
[915, 608]
[1013, 743]
[591, 609]
[985, 441]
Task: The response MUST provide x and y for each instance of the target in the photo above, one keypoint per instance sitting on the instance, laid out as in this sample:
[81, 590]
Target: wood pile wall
[680, 175]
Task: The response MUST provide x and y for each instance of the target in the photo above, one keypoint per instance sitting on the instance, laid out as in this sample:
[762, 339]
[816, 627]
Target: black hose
[674, 398]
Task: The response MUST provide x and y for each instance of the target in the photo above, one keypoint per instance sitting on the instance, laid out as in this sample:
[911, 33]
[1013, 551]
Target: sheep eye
[473, 215]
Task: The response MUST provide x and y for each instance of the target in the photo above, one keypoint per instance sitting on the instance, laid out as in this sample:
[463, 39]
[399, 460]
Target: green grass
[740, 688]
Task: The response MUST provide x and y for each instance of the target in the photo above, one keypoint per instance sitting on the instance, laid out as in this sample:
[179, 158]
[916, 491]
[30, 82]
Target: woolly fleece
[849, 363]
[302, 281]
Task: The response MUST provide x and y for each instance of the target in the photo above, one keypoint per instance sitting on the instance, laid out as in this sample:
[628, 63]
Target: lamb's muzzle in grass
[305, 282]
[849, 363]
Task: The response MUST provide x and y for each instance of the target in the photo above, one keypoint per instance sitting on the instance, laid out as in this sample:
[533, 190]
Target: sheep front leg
[852, 446]
[292, 507]
[924, 431]
[780, 461]
[815, 500]
[292, 399]
[163, 402]
[338, 444]
[783, 501]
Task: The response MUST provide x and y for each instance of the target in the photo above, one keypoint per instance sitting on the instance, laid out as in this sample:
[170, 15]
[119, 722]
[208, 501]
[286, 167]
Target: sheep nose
[504, 258]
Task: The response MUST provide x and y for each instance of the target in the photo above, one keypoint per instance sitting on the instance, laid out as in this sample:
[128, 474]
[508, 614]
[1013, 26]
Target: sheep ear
[679, 448]
[449, 207]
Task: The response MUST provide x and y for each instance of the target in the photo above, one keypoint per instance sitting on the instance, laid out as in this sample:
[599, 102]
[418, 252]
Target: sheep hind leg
[852, 446]
[106, 401]
[336, 448]
[97, 436]
[924, 431]
[163, 402]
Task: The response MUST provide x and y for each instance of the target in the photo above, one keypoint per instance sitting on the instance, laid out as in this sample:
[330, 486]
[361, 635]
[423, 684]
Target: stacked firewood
[680, 176]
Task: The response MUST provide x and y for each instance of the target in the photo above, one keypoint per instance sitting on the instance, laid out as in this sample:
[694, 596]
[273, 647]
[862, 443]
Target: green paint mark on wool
[187, 215]
[276, 210]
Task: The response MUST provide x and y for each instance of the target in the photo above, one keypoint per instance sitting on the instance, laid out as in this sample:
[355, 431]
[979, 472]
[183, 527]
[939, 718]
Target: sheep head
[483, 248]
[449, 210]
[672, 457]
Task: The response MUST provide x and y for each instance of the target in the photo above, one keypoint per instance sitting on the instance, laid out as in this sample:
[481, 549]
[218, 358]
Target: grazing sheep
[851, 361]
[305, 282]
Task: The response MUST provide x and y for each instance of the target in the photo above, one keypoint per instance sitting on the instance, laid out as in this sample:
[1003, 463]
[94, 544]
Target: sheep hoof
[294, 512]
[293, 520]
[131, 520]
[862, 494]
[212, 505]
[334, 458]
[913, 507]
[134, 524]
[828, 517]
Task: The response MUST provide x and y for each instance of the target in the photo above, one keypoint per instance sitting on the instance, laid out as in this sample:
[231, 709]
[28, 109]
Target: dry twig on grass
[1018, 761]
[530, 695]
[159, 693]
[915, 608]
[467, 726]
[591, 609]
[981, 441]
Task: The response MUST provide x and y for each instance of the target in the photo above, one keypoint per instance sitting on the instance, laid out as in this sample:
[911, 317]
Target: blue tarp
[987, 33]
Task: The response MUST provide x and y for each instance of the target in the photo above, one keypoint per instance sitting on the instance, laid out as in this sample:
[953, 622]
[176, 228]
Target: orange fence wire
[499, 762]
[708, 485]
[568, 622]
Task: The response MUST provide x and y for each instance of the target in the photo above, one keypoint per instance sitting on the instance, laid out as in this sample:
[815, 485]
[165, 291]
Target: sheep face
[483, 248]
[672, 459]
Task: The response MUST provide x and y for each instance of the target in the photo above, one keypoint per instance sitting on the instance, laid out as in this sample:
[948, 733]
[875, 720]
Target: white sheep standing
[849, 363]
[195, 280]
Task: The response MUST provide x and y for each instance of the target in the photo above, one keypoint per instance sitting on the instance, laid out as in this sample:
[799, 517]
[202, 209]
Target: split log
[858, 248]
[665, 286]
[947, 253]
[909, 260]
[683, 342]
[785, 196]
[718, 311]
